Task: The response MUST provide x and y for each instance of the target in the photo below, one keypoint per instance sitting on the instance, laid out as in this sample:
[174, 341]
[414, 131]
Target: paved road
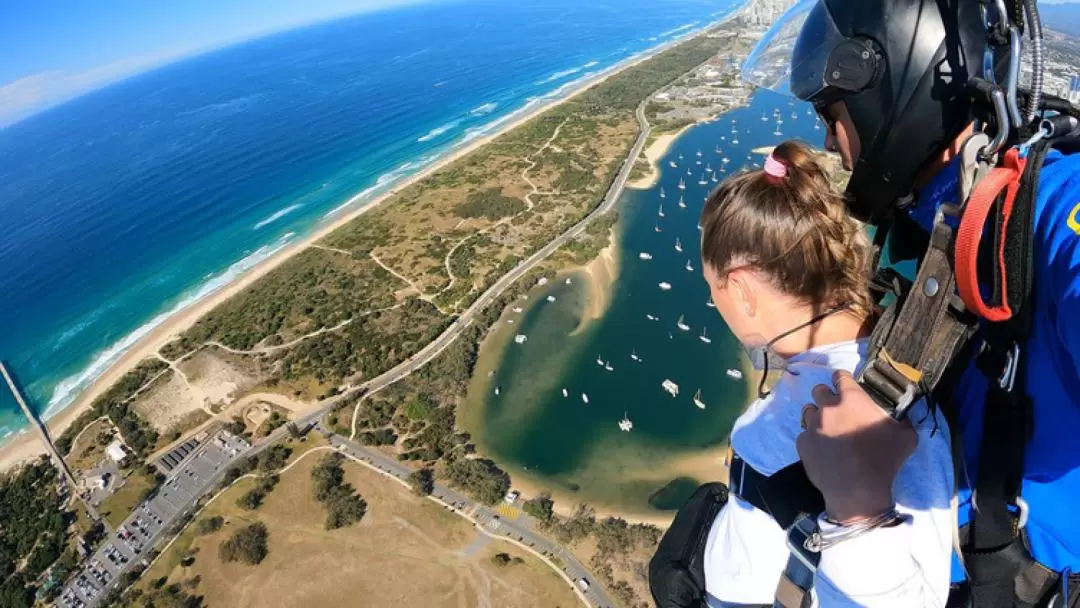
[520, 529]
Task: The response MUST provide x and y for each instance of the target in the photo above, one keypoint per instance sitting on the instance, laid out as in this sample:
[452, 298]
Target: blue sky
[54, 50]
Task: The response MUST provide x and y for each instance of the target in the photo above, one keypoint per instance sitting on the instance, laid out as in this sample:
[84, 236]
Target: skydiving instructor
[900, 85]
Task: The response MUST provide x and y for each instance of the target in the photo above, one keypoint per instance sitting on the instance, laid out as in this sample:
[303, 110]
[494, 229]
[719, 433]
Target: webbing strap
[918, 336]
[969, 236]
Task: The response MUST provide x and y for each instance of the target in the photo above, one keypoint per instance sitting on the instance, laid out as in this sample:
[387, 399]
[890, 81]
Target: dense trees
[481, 478]
[274, 457]
[209, 525]
[489, 203]
[541, 507]
[114, 403]
[248, 545]
[253, 498]
[32, 529]
[343, 505]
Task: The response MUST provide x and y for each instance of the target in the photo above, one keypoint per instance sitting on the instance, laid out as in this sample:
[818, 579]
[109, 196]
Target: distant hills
[1064, 18]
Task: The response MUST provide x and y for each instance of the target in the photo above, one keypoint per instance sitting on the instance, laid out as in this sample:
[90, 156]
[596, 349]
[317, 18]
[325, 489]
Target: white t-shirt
[908, 565]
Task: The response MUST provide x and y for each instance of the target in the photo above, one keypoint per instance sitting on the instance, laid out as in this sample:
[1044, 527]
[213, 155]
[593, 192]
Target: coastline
[654, 153]
[24, 446]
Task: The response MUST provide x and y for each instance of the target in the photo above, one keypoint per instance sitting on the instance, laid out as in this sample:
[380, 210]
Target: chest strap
[794, 503]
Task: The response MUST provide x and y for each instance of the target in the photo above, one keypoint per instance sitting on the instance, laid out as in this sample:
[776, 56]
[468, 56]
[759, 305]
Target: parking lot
[129, 543]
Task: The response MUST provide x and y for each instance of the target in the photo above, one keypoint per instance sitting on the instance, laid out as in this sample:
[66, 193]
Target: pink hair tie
[775, 167]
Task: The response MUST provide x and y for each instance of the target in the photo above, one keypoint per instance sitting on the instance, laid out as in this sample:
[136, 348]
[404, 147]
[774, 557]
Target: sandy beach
[26, 445]
[653, 154]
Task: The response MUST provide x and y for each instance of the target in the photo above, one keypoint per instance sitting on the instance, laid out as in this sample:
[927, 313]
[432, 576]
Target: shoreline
[655, 152]
[23, 446]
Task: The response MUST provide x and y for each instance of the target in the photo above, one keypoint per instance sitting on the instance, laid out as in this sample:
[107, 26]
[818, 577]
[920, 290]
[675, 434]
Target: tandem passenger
[788, 269]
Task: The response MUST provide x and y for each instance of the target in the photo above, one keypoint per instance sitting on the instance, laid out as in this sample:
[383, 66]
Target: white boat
[777, 132]
[704, 338]
[794, 116]
[678, 245]
[625, 425]
[584, 398]
[708, 168]
[718, 150]
[517, 309]
[697, 400]
[699, 152]
[660, 211]
[817, 126]
[657, 227]
[608, 367]
[779, 120]
[521, 338]
[542, 281]
[689, 266]
[682, 324]
[510, 321]
[688, 170]
[645, 255]
[715, 179]
[599, 360]
[565, 393]
[673, 164]
[491, 373]
[735, 141]
[734, 373]
[569, 281]
[634, 356]
[652, 317]
[725, 160]
[698, 163]
[498, 389]
[551, 298]
[680, 156]
[662, 195]
[702, 181]
[710, 304]
[764, 118]
[665, 286]
[682, 203]
[682, 184]
[670, 387]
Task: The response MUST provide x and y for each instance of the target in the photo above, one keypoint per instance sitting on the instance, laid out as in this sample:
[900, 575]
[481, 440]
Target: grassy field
[117, 507]
[88, 451]
[407, 551]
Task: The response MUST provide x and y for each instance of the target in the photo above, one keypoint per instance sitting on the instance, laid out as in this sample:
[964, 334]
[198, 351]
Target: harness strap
[969, 237]
[794, 503]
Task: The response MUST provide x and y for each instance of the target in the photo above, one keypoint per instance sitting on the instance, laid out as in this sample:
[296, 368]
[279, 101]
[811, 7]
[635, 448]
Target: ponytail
[789, 222]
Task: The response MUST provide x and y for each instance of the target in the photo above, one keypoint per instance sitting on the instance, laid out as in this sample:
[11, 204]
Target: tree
[422, 481]
[274, 457]
[500, 559]
[343, 505]
[209, 525]
[481, 478]
[540, 507]
[294, 431]
[251, 500]
[247, 545]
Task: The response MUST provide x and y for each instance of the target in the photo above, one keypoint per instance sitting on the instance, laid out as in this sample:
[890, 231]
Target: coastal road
[519, 530]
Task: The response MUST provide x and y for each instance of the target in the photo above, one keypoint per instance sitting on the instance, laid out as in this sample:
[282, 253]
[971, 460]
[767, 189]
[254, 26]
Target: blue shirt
[1051, 484]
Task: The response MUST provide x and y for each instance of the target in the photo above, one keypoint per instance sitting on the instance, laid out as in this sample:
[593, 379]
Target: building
[116, 451]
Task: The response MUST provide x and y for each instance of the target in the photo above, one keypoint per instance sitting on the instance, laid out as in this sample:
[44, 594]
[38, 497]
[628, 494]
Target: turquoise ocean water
[127, 204]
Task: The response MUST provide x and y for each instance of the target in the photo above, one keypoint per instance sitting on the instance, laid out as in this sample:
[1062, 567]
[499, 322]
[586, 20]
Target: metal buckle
[1008, 375]
[1022, 509]
[972, 168]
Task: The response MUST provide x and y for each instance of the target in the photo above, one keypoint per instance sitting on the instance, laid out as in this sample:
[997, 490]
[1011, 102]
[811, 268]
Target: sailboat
[702, 181]
[682, 324]
[699, 152]
[704, 338]
[682, 203]
[678, 245]
[688, 170]
[584, 398]
[708, 168]
[565, 393]
[715, 179]
[660, 211]
[645, 255]
[698, 162]
[607, 366]
[658, 228]
[662, 195]
[680, 156]
[764, 118]
[682, 184]
[689, 266]
[817, 126]
[697, 400]
[634, 356]
[498, 389]
[672, 163]
[718, 150]
[736, 140]
[625, 425]
[599, 360]
[777, 131]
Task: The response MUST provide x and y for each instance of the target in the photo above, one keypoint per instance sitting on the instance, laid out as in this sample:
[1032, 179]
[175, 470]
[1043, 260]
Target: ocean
[576, 448]
[128, 204]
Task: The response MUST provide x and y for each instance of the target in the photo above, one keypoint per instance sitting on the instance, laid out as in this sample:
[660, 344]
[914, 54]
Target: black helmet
[901, 68]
